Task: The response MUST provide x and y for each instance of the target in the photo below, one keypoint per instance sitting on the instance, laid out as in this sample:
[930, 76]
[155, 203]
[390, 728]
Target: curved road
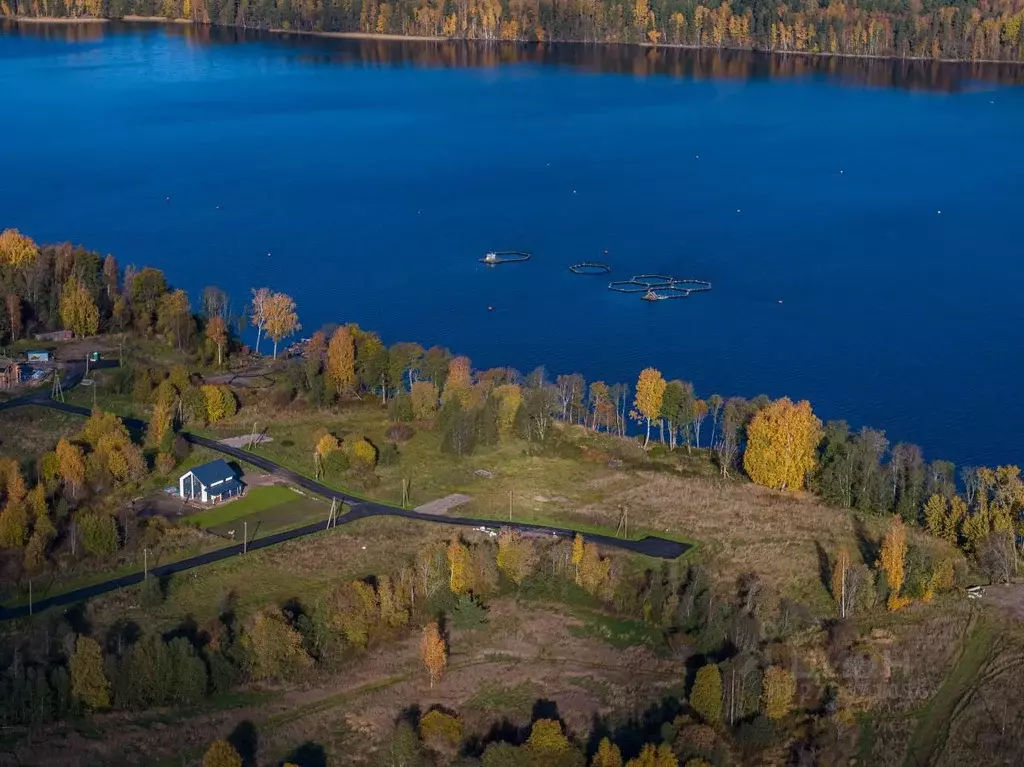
[360, 509]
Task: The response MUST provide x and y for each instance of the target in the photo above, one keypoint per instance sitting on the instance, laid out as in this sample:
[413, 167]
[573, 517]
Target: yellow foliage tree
[954, 520]
[892, 560]
[516, 556]
[361, 454]
[608, 755]
[217, 332]
[459, 380]
[650, 391]
[89, 684]
[16, 249]
[782, 443]
[935, 515]
[578, 550]
[13, 525]
[281, 319]
[423, 395]
[221, 754]
[220, 402]
[326, 445]
[78, 311]
[460, 568]
[356, 610]
[706, 695]
[546, 737]
[595, 571]
[655, 756]
[839, 575]
[778, 688]
[70, 465]
[273, 649]
[433, 652]
[510, 397]
[440, 731]
[341, 360]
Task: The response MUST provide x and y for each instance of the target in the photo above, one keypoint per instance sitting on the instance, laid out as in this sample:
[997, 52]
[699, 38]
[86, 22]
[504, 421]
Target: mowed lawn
[256, 499]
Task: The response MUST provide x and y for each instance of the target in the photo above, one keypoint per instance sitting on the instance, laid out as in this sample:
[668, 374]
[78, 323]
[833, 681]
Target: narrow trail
[360, 508]
[933, 721]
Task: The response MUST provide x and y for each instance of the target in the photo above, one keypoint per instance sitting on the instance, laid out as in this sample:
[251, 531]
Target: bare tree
[997, 555]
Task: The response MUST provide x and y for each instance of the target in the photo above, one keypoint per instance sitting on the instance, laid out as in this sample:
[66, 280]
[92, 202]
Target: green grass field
[256, 499]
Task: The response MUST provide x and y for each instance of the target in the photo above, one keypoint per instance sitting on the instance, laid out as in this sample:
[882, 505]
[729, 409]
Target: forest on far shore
[960, 29]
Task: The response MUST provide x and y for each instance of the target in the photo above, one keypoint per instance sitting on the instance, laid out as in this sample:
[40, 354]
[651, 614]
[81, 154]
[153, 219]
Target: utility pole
[145, 563]
[245, 537]
[405, 493]
[58, 390]
[29, 596]
[510, 504]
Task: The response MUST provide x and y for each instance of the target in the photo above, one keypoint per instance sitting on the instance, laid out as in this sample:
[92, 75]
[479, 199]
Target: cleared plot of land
[444, 505]
[28, 431]
[530, 659]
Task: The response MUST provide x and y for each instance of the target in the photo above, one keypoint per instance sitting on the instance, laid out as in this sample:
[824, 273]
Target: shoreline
[57, 19]
[391, 37]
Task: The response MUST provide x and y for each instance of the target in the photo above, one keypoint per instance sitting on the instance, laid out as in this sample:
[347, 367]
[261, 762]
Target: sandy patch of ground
[444, 505]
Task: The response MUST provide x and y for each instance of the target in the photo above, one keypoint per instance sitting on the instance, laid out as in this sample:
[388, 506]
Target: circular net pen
[654, 280]
[590, 267]
[495, 257]
[627, 286]
[660, 287]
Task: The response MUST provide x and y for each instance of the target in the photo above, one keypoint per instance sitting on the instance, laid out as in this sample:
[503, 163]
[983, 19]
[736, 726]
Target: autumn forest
[968, 30]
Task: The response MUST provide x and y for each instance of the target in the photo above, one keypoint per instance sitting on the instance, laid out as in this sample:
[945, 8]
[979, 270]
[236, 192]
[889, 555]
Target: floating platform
[496, 257]
[590, 267]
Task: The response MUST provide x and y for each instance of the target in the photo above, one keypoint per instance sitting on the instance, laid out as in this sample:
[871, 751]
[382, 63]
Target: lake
[860, 220]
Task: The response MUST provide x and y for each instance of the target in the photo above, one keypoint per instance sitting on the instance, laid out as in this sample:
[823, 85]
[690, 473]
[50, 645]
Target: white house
[210, 483]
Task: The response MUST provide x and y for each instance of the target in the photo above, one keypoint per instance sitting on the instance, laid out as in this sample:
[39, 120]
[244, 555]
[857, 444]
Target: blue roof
[214, 471]
[231, 487]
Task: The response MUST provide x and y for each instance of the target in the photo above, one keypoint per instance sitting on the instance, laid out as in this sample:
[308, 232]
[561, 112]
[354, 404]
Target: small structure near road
[38, 355]
[10, 373]
[56, 335]
[212, 482]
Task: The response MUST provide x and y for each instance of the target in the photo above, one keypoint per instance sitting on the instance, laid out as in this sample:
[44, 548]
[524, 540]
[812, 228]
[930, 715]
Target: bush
[99, 534]
[387, 455]
[399, 432]
[400, 408]
[165, 463]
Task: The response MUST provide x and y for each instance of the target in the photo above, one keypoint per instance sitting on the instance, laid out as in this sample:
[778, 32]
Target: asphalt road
[360, 508]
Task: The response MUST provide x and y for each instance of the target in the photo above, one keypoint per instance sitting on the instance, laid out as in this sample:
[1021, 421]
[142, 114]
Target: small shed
[38, 355]
[210, 483]
[10, 373]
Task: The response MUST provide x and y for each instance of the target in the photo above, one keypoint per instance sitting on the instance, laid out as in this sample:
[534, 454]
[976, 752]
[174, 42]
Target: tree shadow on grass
[245, 740]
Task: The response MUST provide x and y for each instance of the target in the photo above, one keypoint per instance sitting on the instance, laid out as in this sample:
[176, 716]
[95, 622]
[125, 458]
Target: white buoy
[840, 173]
[698, 157]
[574, 191]
[737, 210]
[938, 212]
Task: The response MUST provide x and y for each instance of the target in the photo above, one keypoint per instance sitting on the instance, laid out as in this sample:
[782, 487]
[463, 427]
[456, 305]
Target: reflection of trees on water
[635, 60]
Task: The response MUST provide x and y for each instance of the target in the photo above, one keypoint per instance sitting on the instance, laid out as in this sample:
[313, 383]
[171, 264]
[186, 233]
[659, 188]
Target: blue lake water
[366, 179]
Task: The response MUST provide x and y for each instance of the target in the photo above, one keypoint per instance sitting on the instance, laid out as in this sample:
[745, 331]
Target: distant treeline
[966, 30]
